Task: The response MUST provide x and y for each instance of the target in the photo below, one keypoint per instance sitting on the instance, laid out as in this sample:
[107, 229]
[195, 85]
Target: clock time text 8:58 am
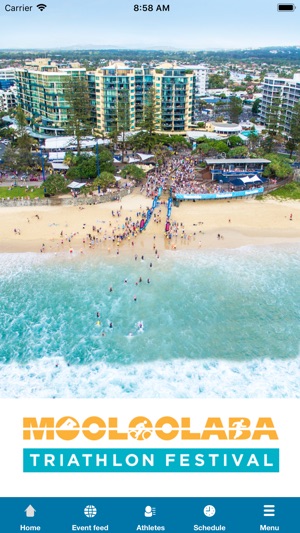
[151, 7]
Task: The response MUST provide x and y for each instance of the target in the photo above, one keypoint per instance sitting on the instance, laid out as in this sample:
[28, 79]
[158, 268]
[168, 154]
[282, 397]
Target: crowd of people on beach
[124, 230]
[180, 175]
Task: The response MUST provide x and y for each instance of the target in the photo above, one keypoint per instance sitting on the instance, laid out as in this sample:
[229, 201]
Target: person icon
[149, 511]
[239, 426]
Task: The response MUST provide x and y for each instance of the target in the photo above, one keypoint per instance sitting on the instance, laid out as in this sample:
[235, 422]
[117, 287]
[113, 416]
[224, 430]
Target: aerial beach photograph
[149, 206]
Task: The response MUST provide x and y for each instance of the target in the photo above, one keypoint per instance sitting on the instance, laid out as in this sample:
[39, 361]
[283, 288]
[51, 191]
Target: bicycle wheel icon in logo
[140, 431]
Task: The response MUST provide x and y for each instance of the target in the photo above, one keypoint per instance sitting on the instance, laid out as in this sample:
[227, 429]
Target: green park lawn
[21, 192]
[290, 191]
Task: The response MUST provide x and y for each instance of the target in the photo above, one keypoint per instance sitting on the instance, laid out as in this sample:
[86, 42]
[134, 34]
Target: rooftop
[236, 161]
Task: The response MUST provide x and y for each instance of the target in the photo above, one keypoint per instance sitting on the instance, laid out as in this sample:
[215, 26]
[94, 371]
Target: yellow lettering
[266, 427]
[214, 426]
[33, 426]
[93, 435]
[163, 434]
[113, 433]
[186, 433]
[67, 428]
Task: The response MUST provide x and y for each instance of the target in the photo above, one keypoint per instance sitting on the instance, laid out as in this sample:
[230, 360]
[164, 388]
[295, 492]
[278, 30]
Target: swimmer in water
[110, 324]
[148, 280]
[98, 314]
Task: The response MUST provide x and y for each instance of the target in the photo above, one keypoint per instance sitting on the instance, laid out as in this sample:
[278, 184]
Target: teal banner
[220, 195]
[150, 460]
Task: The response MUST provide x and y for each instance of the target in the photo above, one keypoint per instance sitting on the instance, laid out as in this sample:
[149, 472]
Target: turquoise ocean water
[221, 324]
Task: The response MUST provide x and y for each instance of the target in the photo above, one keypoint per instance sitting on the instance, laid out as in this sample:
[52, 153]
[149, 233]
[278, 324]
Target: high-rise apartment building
[120, 88]
[175, 94]
[278, 100]
[8, 99]
[118, 96]
[7, 78]
[41, 94]
[201, 79]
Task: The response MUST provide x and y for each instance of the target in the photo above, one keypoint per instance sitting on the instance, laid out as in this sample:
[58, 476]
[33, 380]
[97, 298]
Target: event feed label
[150, 460]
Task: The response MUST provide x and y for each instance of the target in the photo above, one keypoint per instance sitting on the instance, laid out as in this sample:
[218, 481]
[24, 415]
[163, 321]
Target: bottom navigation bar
[129, 515]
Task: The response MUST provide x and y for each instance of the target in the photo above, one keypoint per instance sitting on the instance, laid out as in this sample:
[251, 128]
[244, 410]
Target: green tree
[274, 118]
[133, 172]
[294, 134]
[84, 167]
[211, 147]
[23, 140]
[216, 81]
[79, 112]
[123, 118]
[55, 184]
[256, 106]
[19, 160]
[105, 180]
[278, 168]
[7, 133]
[235, 108]
[234, 140]
[253, 142]
[238, 151]
[150, 112]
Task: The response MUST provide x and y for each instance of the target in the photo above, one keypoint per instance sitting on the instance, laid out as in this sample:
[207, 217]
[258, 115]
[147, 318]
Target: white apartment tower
[279, 97]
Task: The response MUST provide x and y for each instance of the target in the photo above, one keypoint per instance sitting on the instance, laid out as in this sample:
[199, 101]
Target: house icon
[30, 511]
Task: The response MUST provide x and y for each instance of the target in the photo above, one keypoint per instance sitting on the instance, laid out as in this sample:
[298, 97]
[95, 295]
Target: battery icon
[286, 7]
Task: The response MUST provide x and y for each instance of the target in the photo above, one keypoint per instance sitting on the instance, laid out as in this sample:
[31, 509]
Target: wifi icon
[41, 7]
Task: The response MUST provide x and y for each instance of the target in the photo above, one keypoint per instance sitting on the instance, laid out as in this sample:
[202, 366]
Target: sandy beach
[64, 228]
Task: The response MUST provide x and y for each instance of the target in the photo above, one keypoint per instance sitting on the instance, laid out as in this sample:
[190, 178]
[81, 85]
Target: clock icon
[209, 510]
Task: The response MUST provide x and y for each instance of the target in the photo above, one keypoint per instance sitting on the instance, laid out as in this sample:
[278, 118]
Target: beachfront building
[228, 169]
[201, 78]
[40, 91]
[119, 86]
[223, 128]
[116, 86]
[278, 99]
[8, 99]
[7, 78]
[118, 95]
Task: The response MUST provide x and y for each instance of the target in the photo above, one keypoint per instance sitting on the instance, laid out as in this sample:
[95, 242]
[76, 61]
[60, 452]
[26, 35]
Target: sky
[190, 24]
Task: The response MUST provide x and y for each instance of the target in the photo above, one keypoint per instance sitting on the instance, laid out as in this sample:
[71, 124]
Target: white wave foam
[53, 378]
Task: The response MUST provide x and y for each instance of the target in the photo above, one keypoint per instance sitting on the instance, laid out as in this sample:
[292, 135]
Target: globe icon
[90, 511]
